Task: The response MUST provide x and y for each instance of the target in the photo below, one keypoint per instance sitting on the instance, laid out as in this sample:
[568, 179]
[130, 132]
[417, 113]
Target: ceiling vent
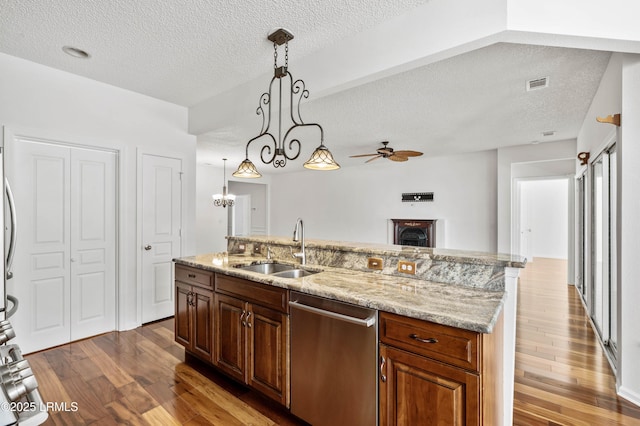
[538, 83]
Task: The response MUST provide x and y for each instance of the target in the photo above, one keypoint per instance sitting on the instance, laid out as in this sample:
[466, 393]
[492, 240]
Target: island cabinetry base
[252, 341]
[432, 374]
[194, 311]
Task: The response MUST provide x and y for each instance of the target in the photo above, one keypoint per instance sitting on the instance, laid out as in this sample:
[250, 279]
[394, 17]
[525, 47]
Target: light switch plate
[407, 267]
[374, 263]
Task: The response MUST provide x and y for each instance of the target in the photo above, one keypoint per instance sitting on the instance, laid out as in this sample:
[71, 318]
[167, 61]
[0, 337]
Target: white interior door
[40, 177]
[64, 266]
[93, 230]
[161, 219]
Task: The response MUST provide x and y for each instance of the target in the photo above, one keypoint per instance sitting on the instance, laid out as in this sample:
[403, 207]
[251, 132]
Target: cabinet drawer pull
[191, 275]
[242, 321]
[382, 364]
[420, 339]
[248, 321]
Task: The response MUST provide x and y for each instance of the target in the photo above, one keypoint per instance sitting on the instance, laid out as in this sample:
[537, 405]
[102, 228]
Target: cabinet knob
[147, 247]
[383, 362]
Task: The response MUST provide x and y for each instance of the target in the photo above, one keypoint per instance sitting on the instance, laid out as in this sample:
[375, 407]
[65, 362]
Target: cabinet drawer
[261, 294]
[447, 344]
[194, 276]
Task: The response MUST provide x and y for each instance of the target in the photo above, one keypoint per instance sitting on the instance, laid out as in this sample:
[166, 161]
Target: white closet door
[40, 177]
[93, 230]
[161, 219]
[64, 266]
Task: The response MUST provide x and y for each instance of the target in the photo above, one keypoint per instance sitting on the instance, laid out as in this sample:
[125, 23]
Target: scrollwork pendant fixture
[284, 145]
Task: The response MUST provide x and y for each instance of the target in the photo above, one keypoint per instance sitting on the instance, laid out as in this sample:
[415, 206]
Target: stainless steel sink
[267, 268]
[294, 273]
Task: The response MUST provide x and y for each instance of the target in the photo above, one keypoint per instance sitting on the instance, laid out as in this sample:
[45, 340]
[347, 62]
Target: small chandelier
[278, 150]
[224, 199]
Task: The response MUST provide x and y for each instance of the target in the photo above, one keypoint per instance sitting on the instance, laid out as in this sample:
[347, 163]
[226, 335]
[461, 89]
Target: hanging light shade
[224, 199]
[286, 146]
[321, 159]
[246, 169]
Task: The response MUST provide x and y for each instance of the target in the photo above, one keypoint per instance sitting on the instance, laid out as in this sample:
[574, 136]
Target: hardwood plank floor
[562, 376]
[140, 377]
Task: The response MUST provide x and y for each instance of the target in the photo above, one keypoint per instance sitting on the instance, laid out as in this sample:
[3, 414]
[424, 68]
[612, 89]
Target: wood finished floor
[140, 377]
[562, 376]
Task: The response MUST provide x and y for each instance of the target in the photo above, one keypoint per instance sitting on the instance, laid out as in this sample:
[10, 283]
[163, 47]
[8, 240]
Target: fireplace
[414, 232]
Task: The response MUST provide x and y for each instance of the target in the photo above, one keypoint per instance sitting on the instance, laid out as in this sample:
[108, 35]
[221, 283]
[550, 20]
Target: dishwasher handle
[366, 322]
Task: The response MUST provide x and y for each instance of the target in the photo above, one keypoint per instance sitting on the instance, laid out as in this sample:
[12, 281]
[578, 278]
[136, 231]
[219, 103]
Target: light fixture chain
[286, 53]
[275, 55]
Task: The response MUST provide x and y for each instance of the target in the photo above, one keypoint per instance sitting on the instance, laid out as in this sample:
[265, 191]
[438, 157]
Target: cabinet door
[268, 352]
[202, 311]
[183, 316]
[421, 391]
[230, 353]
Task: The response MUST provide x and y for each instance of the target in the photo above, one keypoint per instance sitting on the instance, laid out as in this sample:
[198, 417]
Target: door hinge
[180, 175]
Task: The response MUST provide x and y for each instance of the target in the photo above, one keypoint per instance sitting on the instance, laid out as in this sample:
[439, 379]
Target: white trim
[509, 342]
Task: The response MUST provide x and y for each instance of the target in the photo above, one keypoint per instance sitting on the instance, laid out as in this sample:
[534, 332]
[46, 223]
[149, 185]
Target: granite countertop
[447, 304]
[452, 255]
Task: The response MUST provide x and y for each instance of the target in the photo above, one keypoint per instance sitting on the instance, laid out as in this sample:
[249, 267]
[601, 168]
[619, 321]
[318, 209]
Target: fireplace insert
[414, 232]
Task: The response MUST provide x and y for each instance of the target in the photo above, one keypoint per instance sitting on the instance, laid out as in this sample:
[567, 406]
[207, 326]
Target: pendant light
[224, 199]
[286, 146]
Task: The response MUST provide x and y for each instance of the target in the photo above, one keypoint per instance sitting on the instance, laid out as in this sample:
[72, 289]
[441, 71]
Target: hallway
[562, 376]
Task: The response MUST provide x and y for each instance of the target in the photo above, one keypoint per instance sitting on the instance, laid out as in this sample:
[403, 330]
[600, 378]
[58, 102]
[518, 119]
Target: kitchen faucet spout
[298, 235]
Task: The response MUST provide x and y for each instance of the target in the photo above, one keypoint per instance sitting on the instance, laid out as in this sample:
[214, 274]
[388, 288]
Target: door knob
[147, 247]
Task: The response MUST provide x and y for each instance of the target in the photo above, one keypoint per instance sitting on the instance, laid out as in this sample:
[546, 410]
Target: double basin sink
[281, 270]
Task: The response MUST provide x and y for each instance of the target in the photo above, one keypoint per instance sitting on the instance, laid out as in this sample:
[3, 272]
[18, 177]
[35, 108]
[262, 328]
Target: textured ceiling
[182, 51]
[189, 51]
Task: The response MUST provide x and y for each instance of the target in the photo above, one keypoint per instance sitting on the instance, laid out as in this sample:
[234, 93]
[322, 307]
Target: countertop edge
[381, 300]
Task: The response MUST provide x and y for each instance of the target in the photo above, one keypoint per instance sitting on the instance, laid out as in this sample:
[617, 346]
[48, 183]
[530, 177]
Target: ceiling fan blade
[374, 158]
[408, 153]
[396, 157]
[362, 155]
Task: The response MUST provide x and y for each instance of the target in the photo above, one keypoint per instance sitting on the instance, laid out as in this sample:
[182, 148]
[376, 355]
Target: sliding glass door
[603, 288]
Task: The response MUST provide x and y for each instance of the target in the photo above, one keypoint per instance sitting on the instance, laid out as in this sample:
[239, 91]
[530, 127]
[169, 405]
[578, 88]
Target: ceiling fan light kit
[282, 145]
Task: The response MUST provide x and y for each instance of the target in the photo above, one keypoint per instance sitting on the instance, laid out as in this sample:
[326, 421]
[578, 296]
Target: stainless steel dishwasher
[334, 352]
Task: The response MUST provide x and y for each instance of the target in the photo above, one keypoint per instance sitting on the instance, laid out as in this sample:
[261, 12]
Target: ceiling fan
[387, 152]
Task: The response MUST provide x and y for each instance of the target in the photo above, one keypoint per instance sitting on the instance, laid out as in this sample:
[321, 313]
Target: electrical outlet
[374, 263]
[241, 248]
[407, 267]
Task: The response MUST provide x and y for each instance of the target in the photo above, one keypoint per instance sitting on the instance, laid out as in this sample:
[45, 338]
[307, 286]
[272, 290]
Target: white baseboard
[630, 395]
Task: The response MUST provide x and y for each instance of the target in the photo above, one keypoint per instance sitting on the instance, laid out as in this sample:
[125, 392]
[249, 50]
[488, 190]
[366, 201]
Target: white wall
[629, 230]
[43, 102]
[593, 136]
[211, 221]
[355, 203]
[507, 157]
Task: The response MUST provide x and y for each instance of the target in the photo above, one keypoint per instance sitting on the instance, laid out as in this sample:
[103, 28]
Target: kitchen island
[466, 298]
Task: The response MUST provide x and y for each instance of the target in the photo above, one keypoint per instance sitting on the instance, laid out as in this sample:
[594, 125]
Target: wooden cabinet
[194, 311]
[252, 335]
[432, 374]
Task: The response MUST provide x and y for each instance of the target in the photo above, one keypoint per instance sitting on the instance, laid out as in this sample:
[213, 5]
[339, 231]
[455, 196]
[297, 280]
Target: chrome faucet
[298, 235]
